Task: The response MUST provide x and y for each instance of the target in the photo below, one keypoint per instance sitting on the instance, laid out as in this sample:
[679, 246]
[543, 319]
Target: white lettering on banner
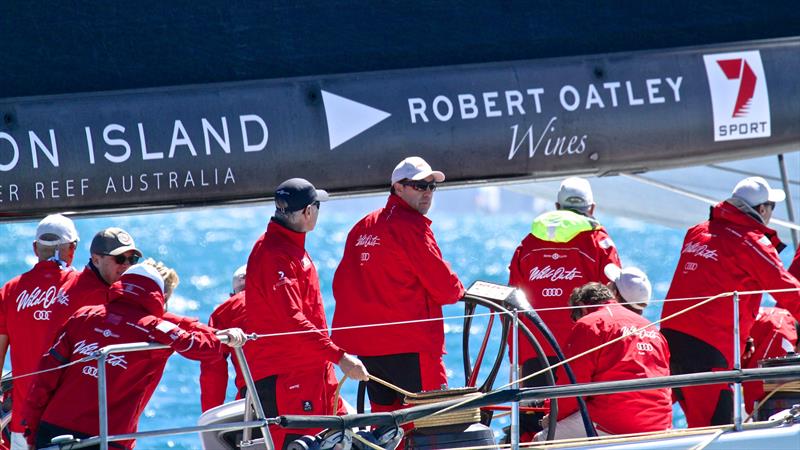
[642, 333]
[158, 181]
[739, 96]
[38, 297]
[554, 146]
[368, 240]
[548, 272]
[520, 102]
[701, 250]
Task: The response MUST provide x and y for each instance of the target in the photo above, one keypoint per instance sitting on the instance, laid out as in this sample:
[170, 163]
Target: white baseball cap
[755, 191]
[237, 284]
[144, 270]
[56, 229]
[575, 192]
[632, 284]
[415, 168]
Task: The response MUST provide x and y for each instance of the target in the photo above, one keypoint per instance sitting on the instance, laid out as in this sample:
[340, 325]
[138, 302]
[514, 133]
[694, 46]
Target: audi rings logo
[90, 370]
[364, 257]
[552, 292]
[644, 347]
[42, 314]
[690, 266]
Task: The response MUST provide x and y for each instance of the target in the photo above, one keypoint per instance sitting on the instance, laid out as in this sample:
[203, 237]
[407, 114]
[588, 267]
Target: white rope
[555, 308]
[63, 366]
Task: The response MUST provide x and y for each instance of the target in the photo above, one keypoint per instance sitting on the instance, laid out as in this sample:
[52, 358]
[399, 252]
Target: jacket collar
[396, 202]
[293, 237]
[739, 213]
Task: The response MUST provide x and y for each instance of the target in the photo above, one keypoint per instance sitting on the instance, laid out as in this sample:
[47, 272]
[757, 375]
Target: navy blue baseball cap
[295, 194]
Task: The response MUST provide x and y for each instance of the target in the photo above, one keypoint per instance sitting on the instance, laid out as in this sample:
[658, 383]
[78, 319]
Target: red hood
[139, 291]
[738, 213]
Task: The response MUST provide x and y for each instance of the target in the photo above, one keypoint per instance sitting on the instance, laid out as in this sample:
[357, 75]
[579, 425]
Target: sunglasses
[121, 259]
[421, 186]
[316, 203]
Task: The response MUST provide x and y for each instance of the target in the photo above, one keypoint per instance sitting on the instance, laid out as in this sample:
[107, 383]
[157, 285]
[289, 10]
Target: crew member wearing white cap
[214, 373]
[643, 353]
[565, 249]
[630, 286]
[293, 371]
[64, 400]
[34, 305]
[734, 250]
[392, 270]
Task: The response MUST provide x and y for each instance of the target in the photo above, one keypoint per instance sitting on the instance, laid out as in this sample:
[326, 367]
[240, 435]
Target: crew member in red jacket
[214, 374]
[294, 372]
[774, 335]
[65, 401]
[794, 268]
[642, 354]
[732, 251]
[111, 253]
[34, 305]
[392, 270]
[565, 249]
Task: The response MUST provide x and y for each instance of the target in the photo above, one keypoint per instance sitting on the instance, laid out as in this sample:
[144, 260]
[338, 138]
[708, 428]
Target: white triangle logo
[347, 119]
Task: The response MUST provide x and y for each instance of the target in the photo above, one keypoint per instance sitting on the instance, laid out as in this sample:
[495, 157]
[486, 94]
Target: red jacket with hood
[564, 250]
[392, 270]
[732, 251]
[642, 354]
[214, 373]
[135, 313]
[283, 296]
[33, 306]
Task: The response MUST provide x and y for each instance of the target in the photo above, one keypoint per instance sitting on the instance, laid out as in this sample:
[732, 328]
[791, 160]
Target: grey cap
[113, 241]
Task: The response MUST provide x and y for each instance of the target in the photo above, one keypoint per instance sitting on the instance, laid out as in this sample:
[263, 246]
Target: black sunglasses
[421, 185]
[120, 259]
[316, 203]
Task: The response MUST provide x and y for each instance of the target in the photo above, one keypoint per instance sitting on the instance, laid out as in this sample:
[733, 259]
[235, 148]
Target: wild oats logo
[739, 95]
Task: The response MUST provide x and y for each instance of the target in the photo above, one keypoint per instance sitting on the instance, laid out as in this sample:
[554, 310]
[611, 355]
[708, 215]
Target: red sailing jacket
[794, 268]
[392, 270]
[68, 397]
[564, 250]
[283, 296]
[774, 335]
[643, 354]
[33, 306]
[214, 373]
[732, 251]
[89, 287]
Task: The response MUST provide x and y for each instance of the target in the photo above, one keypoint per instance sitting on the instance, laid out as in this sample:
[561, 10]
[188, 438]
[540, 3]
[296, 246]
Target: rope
[63, 366]
[605, 344]
[393, 387]
[791, 386]
[334, 407]
[369, 444]
[557, 308]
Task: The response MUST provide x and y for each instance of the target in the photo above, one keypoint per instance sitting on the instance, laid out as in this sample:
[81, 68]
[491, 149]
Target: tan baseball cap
[113, 241]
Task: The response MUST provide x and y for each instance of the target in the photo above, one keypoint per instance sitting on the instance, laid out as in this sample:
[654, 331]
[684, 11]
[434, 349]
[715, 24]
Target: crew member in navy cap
[294, 372]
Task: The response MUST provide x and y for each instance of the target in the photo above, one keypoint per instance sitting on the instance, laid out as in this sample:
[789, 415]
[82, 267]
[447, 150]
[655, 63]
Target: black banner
[526, 119]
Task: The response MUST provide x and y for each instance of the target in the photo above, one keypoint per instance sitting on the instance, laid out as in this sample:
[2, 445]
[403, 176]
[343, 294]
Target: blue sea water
[205, 246]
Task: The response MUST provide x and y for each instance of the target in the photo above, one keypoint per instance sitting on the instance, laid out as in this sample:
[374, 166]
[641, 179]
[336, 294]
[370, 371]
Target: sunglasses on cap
[121, 259]
[421, 186]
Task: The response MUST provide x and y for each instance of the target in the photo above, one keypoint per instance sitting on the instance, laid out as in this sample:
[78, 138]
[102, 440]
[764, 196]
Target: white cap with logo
[237, 284]
[575, 192]
[632, 284]
[415, 168]
[56, 229]
[147, 271]
[755, 191]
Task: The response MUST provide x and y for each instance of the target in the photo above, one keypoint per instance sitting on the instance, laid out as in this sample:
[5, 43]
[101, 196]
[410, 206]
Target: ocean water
[205, 246]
